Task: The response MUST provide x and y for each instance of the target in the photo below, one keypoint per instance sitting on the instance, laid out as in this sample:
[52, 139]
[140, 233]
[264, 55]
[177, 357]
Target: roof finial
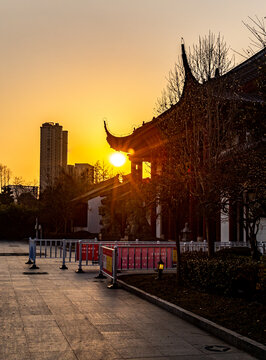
[105, 126]
[188, 73]
[184, 57]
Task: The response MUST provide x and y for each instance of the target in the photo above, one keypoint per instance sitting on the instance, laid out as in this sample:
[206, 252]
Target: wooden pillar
[136, 170]
[232, 222]
[204, 228]
[218, 227]
[153, 207]
[193, 218]
[240, 227]
[153, 168]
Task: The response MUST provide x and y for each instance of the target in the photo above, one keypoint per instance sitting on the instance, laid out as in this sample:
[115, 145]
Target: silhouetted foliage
[6, 196]
[16, 221]
[56, 208]
[28, 200]
[245, 188]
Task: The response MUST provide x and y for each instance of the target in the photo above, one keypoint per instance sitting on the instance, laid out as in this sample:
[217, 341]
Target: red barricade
[93, 252]
[107, 259]
[136, 256]
[141, 257]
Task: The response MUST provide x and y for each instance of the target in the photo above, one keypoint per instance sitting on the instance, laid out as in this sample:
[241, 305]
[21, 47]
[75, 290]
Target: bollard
[34, 266]
[80, 271]
[29, 262]
[63, 266]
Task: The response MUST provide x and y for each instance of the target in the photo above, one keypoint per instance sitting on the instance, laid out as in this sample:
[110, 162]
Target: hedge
[234, 275]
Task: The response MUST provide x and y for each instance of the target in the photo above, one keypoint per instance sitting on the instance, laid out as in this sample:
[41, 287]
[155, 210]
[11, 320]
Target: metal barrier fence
[108, 264]
[87, 252]
[130, 255]
[146, 256]
[261, 245]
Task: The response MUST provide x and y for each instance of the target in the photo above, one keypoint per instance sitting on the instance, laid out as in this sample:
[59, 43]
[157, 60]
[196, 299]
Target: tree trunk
[179, 277]
[210, 239]
[255, 254]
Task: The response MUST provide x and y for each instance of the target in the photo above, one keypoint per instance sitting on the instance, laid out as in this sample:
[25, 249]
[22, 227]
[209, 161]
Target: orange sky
[78, 62]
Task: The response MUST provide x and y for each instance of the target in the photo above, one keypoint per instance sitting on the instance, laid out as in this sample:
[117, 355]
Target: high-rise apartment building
[53, 153]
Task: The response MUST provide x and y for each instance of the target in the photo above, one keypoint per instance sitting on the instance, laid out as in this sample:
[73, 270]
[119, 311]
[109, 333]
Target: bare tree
[174, 88]
[18, 188]
[102, 171]
[208, 58]
[1, 176]
[5, 175]
[209, 159]
[197, 133]
[244, 188]
[256, 26]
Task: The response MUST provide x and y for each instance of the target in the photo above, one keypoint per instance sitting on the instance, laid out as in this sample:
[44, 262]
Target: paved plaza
[56, 314]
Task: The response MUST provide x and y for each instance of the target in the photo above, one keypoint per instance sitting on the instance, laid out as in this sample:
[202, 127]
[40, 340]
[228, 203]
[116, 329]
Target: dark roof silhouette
[240, 84]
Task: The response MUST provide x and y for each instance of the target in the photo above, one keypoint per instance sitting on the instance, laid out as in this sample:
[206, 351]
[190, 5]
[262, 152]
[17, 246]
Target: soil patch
[244, 316]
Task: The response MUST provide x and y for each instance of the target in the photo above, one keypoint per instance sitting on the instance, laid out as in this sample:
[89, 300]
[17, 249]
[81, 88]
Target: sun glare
[117, 159]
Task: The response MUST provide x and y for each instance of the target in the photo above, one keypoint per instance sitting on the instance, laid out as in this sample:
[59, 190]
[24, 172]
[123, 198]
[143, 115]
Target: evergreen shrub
[231, 275]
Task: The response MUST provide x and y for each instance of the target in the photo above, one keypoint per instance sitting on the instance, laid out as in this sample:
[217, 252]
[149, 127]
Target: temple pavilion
[237, 92]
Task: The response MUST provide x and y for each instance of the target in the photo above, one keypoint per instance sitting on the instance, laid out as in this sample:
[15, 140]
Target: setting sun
[117, 159]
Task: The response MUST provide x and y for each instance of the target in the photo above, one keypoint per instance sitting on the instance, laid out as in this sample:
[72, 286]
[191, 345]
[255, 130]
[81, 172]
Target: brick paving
[58, 314]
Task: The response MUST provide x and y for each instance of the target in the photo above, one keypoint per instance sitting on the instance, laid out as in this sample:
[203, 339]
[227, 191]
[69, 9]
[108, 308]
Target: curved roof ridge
[117, 142]
[123, 142]
[258, 55]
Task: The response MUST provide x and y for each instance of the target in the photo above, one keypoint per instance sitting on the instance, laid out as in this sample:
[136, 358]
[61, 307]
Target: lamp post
[40, 230]
[36, 228]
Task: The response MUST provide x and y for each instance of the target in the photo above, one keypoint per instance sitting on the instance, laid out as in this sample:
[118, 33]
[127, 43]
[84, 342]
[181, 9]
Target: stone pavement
[55, 314]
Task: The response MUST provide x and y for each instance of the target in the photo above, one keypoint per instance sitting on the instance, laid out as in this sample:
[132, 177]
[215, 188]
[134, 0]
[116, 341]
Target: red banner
[91, 249]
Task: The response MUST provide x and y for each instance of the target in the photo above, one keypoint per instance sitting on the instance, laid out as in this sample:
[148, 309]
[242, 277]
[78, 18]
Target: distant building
[53, 157]
[87, 215]
[82, 171]
[17, 190]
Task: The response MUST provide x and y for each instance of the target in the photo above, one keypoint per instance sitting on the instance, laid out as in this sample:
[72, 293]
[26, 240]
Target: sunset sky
[78, 62]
